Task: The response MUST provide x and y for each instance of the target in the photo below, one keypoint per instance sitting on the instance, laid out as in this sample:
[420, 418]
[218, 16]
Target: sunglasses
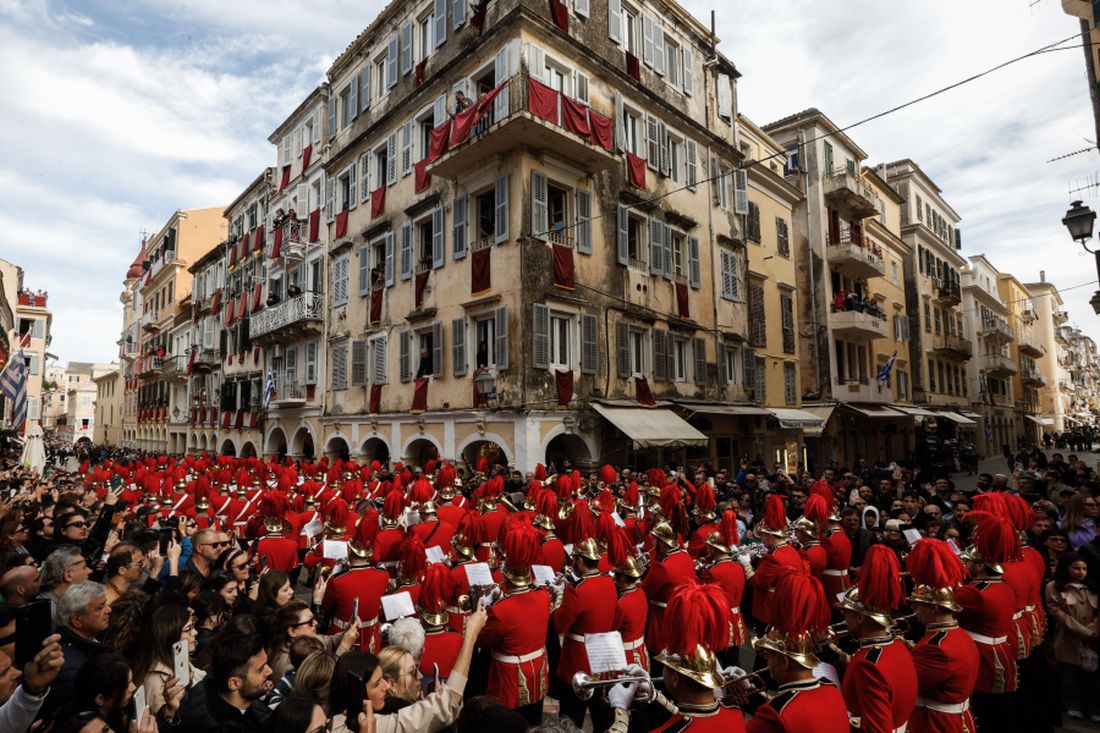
[78, 525]
[312, 621]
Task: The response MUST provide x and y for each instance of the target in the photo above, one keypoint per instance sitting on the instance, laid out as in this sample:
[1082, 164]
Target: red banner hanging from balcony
[232, 255]
[285, 178]
[421, 282]
[377, 202]
[342, 223]
[277, 247]
[563, 267]
[564, 383]
[257, 291]
[420, 68]
[307, 155]
[542, 101]
[191, 367]
[600, 130]
[642, 393]
[258, 238]
[560, 14]
[477, 17]
[464, 121]
[575, 117]
[375, 405]
[253, 419]
[376, 307]
[441, 140]
[225, 419]
[481, 270]
[633, 67]
[216, 302]
[423, 177]
[635, 170]
[420, 395]
[256, 355]
[682, 299]
[238, 423]
[314, 226]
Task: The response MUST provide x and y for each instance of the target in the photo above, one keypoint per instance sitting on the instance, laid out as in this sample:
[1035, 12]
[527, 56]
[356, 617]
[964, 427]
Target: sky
[116, 114]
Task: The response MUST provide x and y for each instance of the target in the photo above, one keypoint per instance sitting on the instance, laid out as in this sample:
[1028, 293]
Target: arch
[566, 446]
[301, 445]
[419, 449]
[337, 446]
[276, 442]
[375, 448]
[471, 449]
[248, 450]
[228, 448]
[84, 441]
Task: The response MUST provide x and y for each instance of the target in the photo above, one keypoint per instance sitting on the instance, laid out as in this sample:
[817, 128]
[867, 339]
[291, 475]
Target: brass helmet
[799, 647]
[588, 548]
[936, 572]
[665, 534]
[879, 589]
[630, 568]
[696, 626]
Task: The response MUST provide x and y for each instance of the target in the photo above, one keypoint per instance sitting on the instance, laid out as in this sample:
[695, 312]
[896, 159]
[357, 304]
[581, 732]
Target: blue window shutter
[540, 221]
[331, 117]
[439, 20]
[458, 237]
[584, 221]
[364, 86]
[389, 258]
[406, 252]
[540, 341]
[501, 214]
[622, 244]
[694, 275]
[666, 245]
[391, 63]
[437, 238]
[364, 270]
[458, 346]
[353, 99]
[501, 329]
[458, 10]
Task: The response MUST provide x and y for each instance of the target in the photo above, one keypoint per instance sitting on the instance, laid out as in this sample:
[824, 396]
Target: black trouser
[996, 712]
[532, 712]
[574, 708]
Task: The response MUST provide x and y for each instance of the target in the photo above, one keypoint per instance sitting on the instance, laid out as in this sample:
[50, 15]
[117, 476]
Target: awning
[822, 411]
[652, 428]
[875, 411]
[791, 419]
[1047, 421]
[957, 418]
[717, 408]
[971, 415]
[1033, 419]
[914, 411]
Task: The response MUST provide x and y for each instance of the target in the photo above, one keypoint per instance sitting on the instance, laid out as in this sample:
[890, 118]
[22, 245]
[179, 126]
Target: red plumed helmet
[801, 606]
[546, 504]
[436, 591]
[521, 546]
[362, 542]
[726, 536]
[992, 502]
[564, 487]
[83, 470]
[618, 546]
[608, 474]
[657, 477]
[375, 466]
[880, 579]
[421, 491]
[816, 509]
[605, 500]
[336, 514]
[445, 477]
[579, 526]
[472, 527]
[413, 559]
[495, 486]
[393, 505]
[704, 498]
[696, 627]
[429, 466]
[933, 563]
[631, 497]
[1020, 513]
[540, 472]
[670, 496]
[995, 540]
[605, 527]
[775, 517]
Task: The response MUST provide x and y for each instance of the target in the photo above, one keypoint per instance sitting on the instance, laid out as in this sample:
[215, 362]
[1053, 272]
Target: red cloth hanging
[564, 383]
[239, 422]
[575, 117]
[420, 395]
[481, 271]
[191, 367]
[315, 225]
[253, 419]
[232, 256]
[464, 121]
[600, 129]
[560, 14]
[542, 100]
[477, 17]
[225, 419]
[633, 67]
[375, 399]
[256, 354]
[285, 179]
[421, 283]
[423, 177]
[682, 299]
[641, 391]
[245, 251]
[307, 154]
[441, 140]
[375, 307]
[242, 306]
[563, 267]
[216, 302]
[377, 202]
[256, 292]
[277, 248]
[635, 170]
[420, 71]
[258, 240]
[342, 222]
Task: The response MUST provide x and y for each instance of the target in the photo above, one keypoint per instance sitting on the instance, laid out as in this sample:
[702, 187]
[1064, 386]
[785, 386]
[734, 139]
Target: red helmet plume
[697, 615]
[521, 545]
[880, 579]
[436, 590]
[413, 558]
[801, 605]
[933, 563]
[816, 509]
[608, 474]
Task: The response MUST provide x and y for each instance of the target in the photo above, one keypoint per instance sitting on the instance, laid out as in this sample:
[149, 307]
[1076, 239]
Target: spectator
[1072, 600]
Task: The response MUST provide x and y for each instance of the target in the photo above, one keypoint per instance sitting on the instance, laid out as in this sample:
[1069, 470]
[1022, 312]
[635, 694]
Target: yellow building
[107, 426]
[28, 332]
[1028, 352]
[1047, 307]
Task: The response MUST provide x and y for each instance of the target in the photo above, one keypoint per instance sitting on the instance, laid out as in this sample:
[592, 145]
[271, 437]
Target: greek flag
[269, 389]
[884, 373]
[13, 385]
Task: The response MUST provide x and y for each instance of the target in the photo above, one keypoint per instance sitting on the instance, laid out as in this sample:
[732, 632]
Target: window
[731, 284]
[936, 320]
[679, 360]
[426, 357]
[380, 67]
[754, 223]
[731, 365]
[894, 271]
[672, 65]
[674, 152]
[790, 391]
[345, 107]
[340, 281]
[828, 159]
[758, 325]
[635, 241]
[902, 384]
[560, 341]
[632, 31]
[637, 354]
[556, 208]
[424, 37]
[485, 342]
[678, 254]
[340, 366]
[632, 124]
[782, 238]
[311, 362]
[931, 375]
[381, 165]
[927, 317]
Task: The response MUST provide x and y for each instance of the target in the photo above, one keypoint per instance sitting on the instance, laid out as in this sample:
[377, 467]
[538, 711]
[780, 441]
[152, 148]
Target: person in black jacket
[82, 613]
[228, 699]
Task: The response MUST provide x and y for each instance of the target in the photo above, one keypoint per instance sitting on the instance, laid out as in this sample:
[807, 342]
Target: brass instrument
[757, 685]
[904, 624]
[585, 685]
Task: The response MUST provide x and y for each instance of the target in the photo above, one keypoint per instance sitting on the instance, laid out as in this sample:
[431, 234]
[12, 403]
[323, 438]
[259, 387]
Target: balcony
[149, 322]
[1061, 317]
[293, 241]
[1029, 345]
[289, 394]
[175, 367]
[37, 299]
[997, 329]
[862, 391]
[852, 250]
[998, 365]
[954, 347]
[1032, 377]
[297, 316]
[859, 324]
[206, 360]
[1001, 400]
[947, 293]
[153, 367]
[515, 125]
[841, 185]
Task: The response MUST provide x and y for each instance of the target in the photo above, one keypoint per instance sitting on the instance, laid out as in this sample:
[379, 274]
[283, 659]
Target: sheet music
[478, 573]
[313, 527]
[544, 574]
[435, 554]
[334, 550]
[605, 652]
[398, 605]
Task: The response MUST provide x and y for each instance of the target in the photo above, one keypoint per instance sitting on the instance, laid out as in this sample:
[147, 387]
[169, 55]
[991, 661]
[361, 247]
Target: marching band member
[814, 514]
[772, 530]
[838, 548]
[631, 608]
[281, 552]
[672, 568]
[441, 644]
[720, 567]
[358, 581]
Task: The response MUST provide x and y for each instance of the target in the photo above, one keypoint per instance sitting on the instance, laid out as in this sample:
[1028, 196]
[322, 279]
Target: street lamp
[1079, 221]
[485, 384]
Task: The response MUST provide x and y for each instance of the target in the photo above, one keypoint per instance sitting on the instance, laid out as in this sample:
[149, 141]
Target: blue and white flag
[269, 389]
[13, 385]
[884, 373]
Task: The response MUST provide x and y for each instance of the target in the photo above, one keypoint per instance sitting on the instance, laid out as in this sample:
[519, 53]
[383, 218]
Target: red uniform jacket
[553, 552]
[451, 513]
[947, 670]
[304, 518]
[387, 547]
[838, 557]
[988, 606]
[663, 577]
[731, 576]
[811, 706]
[1038, 566]
[1018, 576]
[440, 647]
[704, 719]
[880, 686]
[281, 552]
[516, 633]
[435, 533]
[368, 585]
[493, 519]
[587, 607]
[698, 541]
[631, 611]
[767, 575]
[817, 558]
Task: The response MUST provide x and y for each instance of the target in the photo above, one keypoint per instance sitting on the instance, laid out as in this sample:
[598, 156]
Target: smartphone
[140, 705]
[181, 663]
[355, 611]
[475, 597]
[33, 623]
[165, 540]
[264, 562]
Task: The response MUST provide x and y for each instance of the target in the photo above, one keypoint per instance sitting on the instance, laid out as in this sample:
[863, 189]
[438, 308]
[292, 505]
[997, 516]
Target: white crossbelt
[856, 721]
[658, 604]
[510, 659]
[944, 707]
[983, 639]
[575, 637]
[836, 573]
[342, 625]
[1017, 616]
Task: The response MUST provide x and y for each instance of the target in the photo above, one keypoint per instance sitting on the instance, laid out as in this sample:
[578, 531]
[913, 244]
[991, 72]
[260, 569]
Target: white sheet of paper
[412, 517]
[605, 652]
[478, 573]
[313, 527]
[435, 554]
[398, 605]
[180, 663]
[334, 550]
[568, 549]
[912, 536]
[954, 546]
[544, 574]
[618, 520]
[841, 595]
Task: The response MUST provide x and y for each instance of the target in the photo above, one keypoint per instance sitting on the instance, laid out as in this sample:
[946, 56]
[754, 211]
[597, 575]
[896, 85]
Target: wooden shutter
[652, 142]
[358, 363]
[620, 123]
[536, 62]
[406, 356]
[647, 40]
[590, 333]
[580, 7]
[364, 269]
[740, 191]
[389, 258]
[622, 348]
[666, 246]
[439, 110]
[379, 366]
[364, 176]
[364, 86]
[500, 193]
[687, 76]
[458, 235]
[502, 69]
[407, 148]
[391, 63]
[584, 221]
[615, 20]
[439, 22]
[391, 159]
[540, 341]
[331, 117]
[340, 366]
[757, 315]
[720, 357]
[458, 346]
[406, 252]
[458, 13]
[438, 240]
[748, 367]
[500, 315]
[786, 309]
[353, 99]
[691, 164]
[406, 48]
[660, 355]
[539, 215]
[622, 247]
[437, 349]
[658, 50]
[694, 274]
[353, 180]
[699, 349]
[656, 247]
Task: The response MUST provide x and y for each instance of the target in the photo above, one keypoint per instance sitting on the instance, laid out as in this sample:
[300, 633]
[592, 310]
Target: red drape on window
[635, 170]
[481, 267]
[191, 367]
[342, 218]
[376, 307]
[423, 177]
[285, 179]
[232, 255]
[682, 299]
[441, 140]
[542, 100]
[421, 283]
[633, 67]
[277, 248]
[641, 391]
[256, 292]
[216, 302]
[560, 14]
[314, 225]
[575, 117]
[256, 354]
[242, 306]
[375, 399]
[464, 121]
[377, 202]
[307, 154]
[477, 17]
[239, 422]
[600, 130]
[245, 251]
[563, 266]
[253, 419]
[258, 238]
[225, 419]
[420, 71]
[564, 382]
[420, 395]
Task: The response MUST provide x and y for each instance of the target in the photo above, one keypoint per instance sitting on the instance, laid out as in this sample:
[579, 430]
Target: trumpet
[585, 685]
[756, 683]
[903, 624]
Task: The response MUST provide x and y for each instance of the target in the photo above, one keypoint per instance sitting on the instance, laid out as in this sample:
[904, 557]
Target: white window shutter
[458, 236]
[540, 325]
[539, 214]
[500, 192]
[316, 126]
[406, 252]
[353, 178]
[331, 117]
[353, 99]
[439, 22]
[438, 239]
[437, 350]
[580, 7]
[691, 163]
[500, 327]
[725, 97]
[615, 20]
[664, 144]
[405, 356]
[391, 62]
[687, 76]
[389, 258]
[666, 245]
[439, 110]
[458, 13]
[584, 222]
[656, 247]
[580, 87]
[391, 159]
[740, 191]
[458, 346]
[694, 271]
[406, 48]
[622, 245]
[658, 50]
[590, 333]
[302, 205]
[647, 40]
[364, 86]
[502, 69]
[536, 62]
[653, 142]
[406, 148]
[364, 176]
[330, 199]
[379, 376]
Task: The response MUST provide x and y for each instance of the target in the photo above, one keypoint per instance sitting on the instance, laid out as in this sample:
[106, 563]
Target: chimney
[1042, 276]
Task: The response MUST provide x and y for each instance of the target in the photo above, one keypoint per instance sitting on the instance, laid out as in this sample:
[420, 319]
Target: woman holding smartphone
[155, 666]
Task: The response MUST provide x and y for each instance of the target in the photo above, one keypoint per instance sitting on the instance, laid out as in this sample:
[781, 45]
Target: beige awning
[717, 408]
[914, 411]
[1033, 419]
[822, 411]
[957, 418]
[791, 419]
[875, 411]
[652, 428]
[1047, 421]
[971, 415]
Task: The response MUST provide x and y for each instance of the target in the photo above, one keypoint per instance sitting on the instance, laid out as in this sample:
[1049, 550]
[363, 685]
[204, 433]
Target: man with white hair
[81, 614]
[407, 634]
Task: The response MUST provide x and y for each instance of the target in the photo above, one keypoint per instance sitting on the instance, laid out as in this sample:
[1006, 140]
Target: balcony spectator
[462, 102]
[839, 300]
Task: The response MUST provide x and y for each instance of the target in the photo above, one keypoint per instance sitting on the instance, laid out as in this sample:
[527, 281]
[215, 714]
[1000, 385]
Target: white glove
[558, 588]
[645, 686]
[729, 673]
[621, 696]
